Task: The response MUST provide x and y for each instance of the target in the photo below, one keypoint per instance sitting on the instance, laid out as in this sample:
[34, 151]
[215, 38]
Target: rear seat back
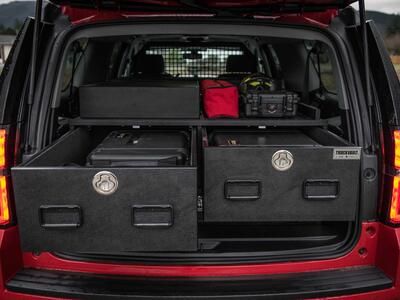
[239, 66]
[149, 66]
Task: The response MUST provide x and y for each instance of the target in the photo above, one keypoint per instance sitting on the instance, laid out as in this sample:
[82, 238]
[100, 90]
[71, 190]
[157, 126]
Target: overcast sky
[388, 6]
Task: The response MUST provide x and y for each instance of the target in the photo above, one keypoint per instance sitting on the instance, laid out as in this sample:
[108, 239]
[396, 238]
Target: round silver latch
[282, 160]
[105, 183]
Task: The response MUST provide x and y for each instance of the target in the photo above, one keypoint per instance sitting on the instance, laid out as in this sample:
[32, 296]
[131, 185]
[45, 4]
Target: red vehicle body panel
[379, 245]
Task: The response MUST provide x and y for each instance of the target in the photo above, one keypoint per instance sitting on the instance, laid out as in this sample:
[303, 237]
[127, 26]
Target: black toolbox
[158, 99]
[64, 206]
[279, 176]
[270, 104]
[141, 148]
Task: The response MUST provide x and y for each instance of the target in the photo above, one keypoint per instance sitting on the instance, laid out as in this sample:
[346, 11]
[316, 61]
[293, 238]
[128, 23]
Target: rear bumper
[292, 286]
[372, 273]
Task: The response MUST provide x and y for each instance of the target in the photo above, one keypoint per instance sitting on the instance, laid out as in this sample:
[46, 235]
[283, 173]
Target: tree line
[392, 39]
[11, 30]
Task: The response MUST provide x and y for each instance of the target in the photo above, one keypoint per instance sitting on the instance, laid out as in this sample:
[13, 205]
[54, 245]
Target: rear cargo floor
[238, 244]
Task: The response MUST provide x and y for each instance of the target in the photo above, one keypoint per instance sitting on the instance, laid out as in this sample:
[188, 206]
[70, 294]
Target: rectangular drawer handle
[242, 189]
[152, 216]
[321, 189]
[60, 216]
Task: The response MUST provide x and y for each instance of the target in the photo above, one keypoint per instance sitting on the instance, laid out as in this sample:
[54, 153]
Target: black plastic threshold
[286, 286]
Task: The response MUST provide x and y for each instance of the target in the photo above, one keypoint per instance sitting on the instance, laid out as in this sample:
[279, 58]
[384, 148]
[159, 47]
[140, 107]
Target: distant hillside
[18, 10]
[12, 12]
[381, 19]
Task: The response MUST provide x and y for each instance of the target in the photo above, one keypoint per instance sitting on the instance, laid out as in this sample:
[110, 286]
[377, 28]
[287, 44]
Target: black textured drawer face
[283, 183]
[94, 210]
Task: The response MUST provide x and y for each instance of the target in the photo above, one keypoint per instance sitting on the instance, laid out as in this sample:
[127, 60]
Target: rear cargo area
[194, 147]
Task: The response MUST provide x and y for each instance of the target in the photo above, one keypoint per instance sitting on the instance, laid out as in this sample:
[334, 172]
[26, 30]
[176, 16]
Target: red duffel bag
[220, 99]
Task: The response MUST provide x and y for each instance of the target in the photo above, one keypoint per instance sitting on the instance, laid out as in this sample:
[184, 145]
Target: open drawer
[59, 208]
[280, 176]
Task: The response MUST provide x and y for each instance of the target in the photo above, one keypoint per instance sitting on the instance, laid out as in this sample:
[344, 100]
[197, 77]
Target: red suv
[209, 149]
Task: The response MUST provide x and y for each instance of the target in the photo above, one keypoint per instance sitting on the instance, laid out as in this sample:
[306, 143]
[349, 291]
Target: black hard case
[241, 184]
[270, 104]
[162, 99]
[141, 148]
[154, 208]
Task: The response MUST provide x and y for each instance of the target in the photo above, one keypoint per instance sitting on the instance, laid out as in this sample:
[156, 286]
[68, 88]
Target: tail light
[5, 211]
[394, 177]
[396, 143]
[5, 217]
[394, 213]
[3, 134]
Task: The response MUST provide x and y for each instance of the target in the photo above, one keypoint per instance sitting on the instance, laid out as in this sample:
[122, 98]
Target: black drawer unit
[279, 176]
[103, 209]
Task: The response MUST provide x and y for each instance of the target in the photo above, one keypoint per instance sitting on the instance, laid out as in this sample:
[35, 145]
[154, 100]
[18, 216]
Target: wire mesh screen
[197, 62]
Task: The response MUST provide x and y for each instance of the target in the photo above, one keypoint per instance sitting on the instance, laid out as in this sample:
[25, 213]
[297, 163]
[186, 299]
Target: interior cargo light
[3, 148]
[396, 138]
[4, 205]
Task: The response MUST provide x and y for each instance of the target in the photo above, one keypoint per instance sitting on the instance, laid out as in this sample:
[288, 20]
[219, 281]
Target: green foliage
[174, 55]
[18, 25]
[7, 30]
[394, 26]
